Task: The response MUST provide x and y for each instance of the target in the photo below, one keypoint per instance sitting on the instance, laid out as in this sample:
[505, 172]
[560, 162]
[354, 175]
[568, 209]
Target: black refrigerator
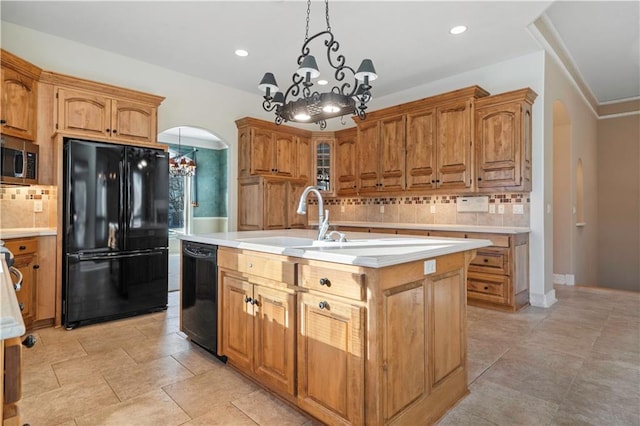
[115, 231]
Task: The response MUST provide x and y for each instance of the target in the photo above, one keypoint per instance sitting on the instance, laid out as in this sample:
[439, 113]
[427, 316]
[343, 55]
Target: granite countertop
[11, 324]
[8, 233]
[432, 227]
[362, 249]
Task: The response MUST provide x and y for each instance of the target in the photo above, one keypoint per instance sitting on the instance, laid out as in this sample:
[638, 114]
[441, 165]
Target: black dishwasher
[199, 307]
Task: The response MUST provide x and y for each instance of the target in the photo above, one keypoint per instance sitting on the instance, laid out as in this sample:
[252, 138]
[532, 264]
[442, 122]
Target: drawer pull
[250, 265]
[325, 281]
[21, 306]
[248, 299]
[323, 305]
[486, 287]
[36, 266]
[485, 260]
[22, 248]
[254, 302]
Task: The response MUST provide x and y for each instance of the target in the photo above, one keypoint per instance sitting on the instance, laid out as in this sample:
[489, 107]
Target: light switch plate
[432, 208]
[492, 208]
[429, 266]
[518, 209]
[500, 208]
[382, 209]
[37, 206]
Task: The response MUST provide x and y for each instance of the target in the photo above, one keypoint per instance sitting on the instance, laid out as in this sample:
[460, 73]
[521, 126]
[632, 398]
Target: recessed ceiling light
[458, 29]
[322, 82]
[242, 52]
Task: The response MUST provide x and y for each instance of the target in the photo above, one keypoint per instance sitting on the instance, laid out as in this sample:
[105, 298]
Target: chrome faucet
[323, 216]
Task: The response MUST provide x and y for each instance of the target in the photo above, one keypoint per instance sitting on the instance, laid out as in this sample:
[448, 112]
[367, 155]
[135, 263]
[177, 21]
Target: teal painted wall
[210, 184]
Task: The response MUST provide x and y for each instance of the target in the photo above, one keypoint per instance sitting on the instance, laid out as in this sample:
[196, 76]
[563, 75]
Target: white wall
[196, 102]
[583, 145]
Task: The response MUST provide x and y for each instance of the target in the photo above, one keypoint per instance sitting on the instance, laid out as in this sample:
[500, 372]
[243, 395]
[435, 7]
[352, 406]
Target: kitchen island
[367, 331]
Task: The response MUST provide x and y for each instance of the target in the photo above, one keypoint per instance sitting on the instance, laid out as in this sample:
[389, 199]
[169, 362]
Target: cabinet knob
[36, 266]
[21, 306]
[254, 302]
[247, 299]
[479, 178]
[433, 181]
[3, 122]
[325, 281]
[22, 248]
[323, 305]
[114, 131]
[486, 287]
[107, 130]
[485, 260]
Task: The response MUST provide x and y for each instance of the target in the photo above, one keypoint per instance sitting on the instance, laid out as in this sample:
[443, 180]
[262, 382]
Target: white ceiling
[408, 41]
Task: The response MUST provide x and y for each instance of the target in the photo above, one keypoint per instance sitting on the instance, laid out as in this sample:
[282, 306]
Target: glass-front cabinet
[323, 162]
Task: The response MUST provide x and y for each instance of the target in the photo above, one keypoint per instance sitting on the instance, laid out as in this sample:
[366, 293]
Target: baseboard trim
[564, 279]
[543, 300]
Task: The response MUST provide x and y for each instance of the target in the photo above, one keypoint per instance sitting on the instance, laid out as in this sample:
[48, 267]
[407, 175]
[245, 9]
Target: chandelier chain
[306, 32]
[326, 8]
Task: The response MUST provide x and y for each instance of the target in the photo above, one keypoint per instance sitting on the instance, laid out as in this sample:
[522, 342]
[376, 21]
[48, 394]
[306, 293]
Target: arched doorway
[563, 204]
[198, 196]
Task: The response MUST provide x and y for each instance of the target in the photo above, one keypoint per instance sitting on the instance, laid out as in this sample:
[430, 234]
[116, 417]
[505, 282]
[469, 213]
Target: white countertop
[362, 249]
[8, 233]
[433, 227]
[11, 324]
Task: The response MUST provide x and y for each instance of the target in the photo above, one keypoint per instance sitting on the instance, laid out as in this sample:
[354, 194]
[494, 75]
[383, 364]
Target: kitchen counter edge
[9, 233]
[11, 323]
[433, 227]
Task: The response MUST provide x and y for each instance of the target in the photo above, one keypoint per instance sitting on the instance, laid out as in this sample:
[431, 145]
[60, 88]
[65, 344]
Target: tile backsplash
[424, 209]
[17, 205]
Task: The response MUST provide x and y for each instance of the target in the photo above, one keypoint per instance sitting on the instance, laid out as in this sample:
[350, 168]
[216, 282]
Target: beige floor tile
[92, 367]
[152, 408]
[37, 379]
[66, 403]
[160, 328]
[458, 417]
[128, 383]
[107, 338]
[265, 409]
[197, 360]
[505, 406]
[52, 352]
[197, 395]
[150, 348]
[222, 415]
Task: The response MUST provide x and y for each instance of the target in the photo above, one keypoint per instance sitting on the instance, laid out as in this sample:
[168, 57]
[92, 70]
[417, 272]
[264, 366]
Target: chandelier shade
[300, 103]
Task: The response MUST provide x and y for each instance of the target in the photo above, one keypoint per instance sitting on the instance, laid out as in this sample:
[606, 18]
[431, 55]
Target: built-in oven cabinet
[19, 97]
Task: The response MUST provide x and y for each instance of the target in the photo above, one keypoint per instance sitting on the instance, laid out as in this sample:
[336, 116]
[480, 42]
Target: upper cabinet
[345, 170]
[323, 164]
[267, 149]
[454, 146]
[421, 149]
[503, 141]
[93, 110]
[19, 97]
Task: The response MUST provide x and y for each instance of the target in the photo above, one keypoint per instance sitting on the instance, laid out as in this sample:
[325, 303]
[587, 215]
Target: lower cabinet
[25, 252]
[349, 345]
[258, 326]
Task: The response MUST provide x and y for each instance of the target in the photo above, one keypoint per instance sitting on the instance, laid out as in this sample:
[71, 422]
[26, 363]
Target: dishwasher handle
[198, 252]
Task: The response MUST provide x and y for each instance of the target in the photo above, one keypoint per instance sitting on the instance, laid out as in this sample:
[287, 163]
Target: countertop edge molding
[8, 233]
[433, 227]
[11, 323]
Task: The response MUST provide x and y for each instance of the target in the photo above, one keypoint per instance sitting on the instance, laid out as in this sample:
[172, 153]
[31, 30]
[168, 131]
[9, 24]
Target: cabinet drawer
[497, 240]
[273, 268]
[488, 284]
[336, 282]
[491, 260]
[20, 246]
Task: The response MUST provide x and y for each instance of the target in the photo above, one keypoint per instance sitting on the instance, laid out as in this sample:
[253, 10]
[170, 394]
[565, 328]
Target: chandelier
[180, 164]
[300, 104]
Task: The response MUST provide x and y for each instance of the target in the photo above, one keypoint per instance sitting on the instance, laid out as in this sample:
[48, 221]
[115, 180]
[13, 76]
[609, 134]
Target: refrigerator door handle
[113, 256]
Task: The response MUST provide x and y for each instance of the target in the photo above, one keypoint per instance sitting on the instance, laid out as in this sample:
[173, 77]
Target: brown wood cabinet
[25, 251]
[503, 141]
[371, 346]
[101, 116]
[269, 202]
[421, 166]
[257, 316]
[454, 145]
[346, 167]
[265, 149]
[19, 97]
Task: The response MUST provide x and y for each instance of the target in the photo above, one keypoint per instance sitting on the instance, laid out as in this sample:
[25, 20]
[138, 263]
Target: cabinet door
[274, 334]
[368, 157]
[19, 99]
[499, 145]
[261, 152]
[275, 204]
[331, 338]
[346, 162]
[421, 149]
[237, 320]
[392, 153]
[285, 154]
[295, 220]
[250, 204]
[133, 121]
[84, 113]
[454, 145]
[27, 264]
[303, 159]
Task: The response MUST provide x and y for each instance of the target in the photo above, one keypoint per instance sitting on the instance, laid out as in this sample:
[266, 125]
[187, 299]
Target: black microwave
[18, 161]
